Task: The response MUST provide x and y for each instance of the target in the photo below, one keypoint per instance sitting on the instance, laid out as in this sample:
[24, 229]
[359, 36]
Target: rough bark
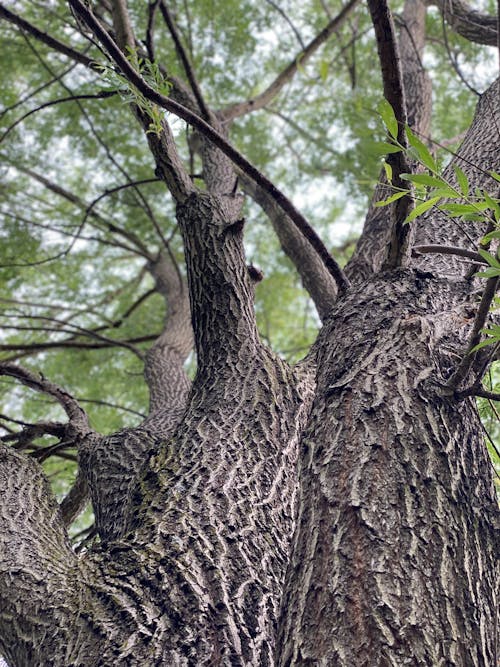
[392, 561]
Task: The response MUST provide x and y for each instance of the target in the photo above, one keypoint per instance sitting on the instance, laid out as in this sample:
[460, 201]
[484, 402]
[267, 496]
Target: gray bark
[362, 450]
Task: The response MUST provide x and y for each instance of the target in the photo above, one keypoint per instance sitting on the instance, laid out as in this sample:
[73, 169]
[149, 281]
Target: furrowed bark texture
[200, 574]
[39, 577]
[393, 561]
[111, 465]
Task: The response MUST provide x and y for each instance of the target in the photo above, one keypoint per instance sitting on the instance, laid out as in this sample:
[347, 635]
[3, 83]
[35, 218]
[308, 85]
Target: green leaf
[381, 147]
[422, 151]
[492, 261]
[389, 117]
[493, 205]
[388, 171]
[425, 179]
[462, 180]
[492, 235]
[389, 200]
[488, 273]
[484, 343]
[494, 175]
[460, 209]
[421, 208]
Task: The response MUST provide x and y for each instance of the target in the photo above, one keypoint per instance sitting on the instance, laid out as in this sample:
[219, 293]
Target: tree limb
[255, 103]
[467, 22]
[475, 337]
[47, 39]
[76, 414]
[448, 250]
[394, 93]
[188, 68]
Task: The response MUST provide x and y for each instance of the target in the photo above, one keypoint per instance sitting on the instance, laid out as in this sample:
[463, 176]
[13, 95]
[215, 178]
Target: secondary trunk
[394, 557]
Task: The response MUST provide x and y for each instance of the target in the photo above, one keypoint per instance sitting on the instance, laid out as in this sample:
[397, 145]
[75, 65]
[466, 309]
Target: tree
[337, 510]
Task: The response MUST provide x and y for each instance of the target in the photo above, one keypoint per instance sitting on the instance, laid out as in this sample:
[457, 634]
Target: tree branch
[315, 278]
[50, 41]
[467, 22]
[392, 77]
[72, 98]
[76, 414]
[475, 337]
[188, 68]
[242, 108]
[448, 250]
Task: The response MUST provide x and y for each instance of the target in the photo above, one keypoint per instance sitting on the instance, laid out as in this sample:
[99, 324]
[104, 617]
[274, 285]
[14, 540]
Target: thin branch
[30, 432]
[150, 47]
[71, 343]
[199, 124]
[392, 77]
[469, 23]
[282, 13]
[454, 61]
[99, 139]
[448, 250]
[46, 39]
[481, 392]
[475, 337]
[115, 406]
[74, 199]
[34, 92]
[186, 64]
[255, 103]
[72, 98]
[76, 414]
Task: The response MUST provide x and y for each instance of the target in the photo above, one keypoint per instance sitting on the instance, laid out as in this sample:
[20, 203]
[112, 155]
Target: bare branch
[315, 278]
[50, 41]
[448, 250]
[188, 68]
[150, 47]
[255, 103]
[282, 13]
[475, 337]
[72, 98]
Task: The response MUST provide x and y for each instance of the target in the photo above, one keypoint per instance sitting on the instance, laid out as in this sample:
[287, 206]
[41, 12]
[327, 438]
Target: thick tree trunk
[394, 557]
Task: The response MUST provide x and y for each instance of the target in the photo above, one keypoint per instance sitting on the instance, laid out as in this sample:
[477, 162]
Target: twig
[150, 47]
[282, 13]
[219, 141]
[448, 250]
[47, 39]
[72, 98]
[186, 64]
[475, 337]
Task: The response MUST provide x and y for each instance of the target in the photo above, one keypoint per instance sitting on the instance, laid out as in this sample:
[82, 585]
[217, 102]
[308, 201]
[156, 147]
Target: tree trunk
[394, 557]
